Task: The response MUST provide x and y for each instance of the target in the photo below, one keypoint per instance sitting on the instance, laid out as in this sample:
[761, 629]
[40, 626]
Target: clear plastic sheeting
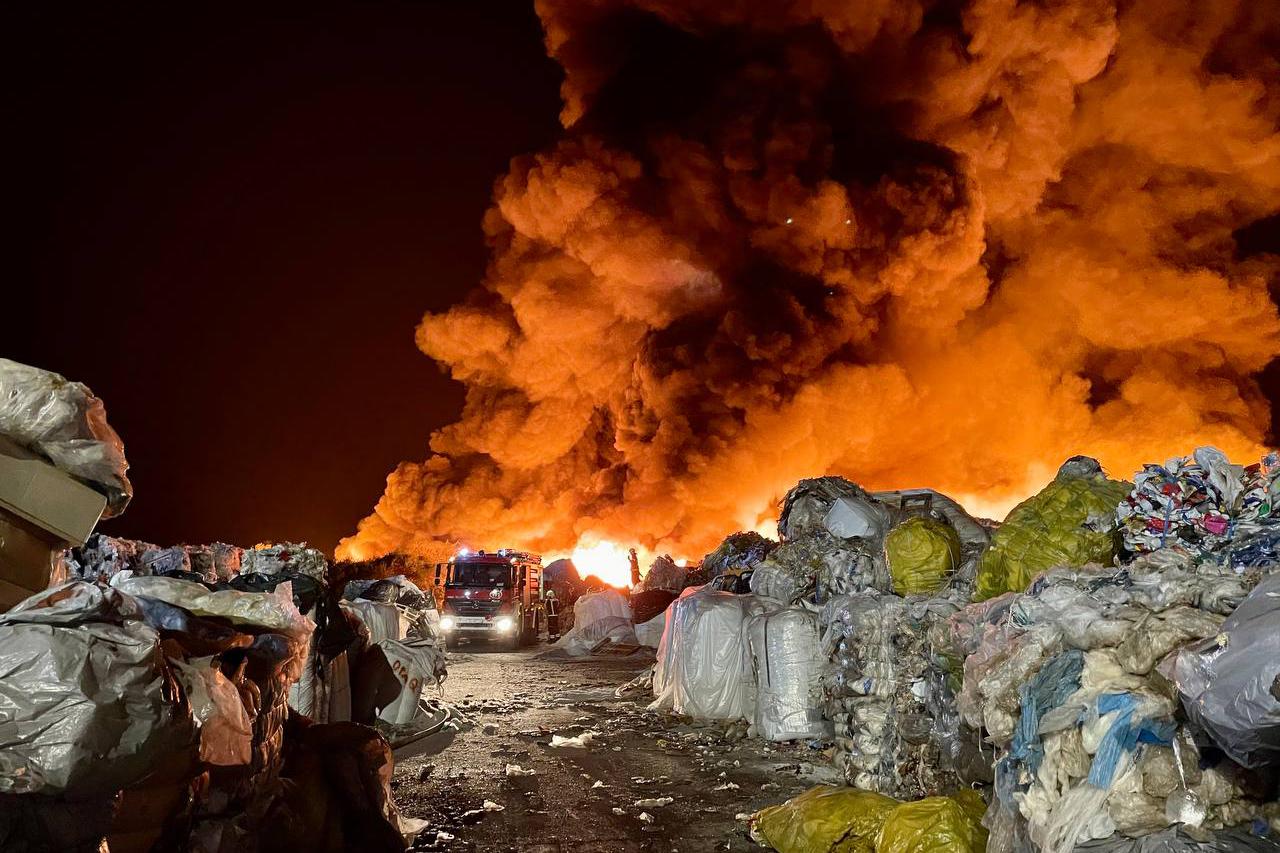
[598, 616]
[786, 653]
[1226, 682]
[67, 424]
[704, 665]
[84, 704]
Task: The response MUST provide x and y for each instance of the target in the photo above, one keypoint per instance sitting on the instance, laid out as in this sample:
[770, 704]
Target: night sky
[231, 226]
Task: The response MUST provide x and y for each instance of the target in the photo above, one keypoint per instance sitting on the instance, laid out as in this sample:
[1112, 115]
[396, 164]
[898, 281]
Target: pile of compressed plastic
[1116, 687]
[101, 557]
[1073, 682]
[1199, 502]
[885, 568]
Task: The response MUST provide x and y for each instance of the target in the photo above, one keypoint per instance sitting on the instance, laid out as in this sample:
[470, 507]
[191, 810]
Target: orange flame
[605, 560]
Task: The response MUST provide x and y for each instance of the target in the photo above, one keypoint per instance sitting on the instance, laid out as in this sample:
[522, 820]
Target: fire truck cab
[493, 595]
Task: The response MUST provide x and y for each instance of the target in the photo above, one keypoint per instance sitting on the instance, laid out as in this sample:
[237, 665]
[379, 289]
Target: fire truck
[494, 595]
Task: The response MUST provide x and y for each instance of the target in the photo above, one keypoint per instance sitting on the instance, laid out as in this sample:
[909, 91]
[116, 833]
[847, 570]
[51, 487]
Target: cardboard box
[42, 511]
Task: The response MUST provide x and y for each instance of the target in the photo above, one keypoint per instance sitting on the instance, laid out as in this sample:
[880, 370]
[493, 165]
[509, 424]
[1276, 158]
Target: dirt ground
[586, 798]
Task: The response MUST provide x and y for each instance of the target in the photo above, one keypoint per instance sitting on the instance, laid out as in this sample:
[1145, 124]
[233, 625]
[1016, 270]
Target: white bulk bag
[703, 668]
[786, 653]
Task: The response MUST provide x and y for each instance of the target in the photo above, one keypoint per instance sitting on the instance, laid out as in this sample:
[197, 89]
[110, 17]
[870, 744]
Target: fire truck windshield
[480, 574]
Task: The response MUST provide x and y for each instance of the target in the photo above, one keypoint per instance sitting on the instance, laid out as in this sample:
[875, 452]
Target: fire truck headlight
[503, 623]
[447, 623]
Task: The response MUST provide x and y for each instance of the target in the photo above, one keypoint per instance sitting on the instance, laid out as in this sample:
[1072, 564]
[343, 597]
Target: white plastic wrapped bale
[704, 668]
[598, 616]
[83, 704]
[786, 654]
[67, 424]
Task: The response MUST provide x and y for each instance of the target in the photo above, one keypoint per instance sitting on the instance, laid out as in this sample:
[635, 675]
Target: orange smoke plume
[942, 242]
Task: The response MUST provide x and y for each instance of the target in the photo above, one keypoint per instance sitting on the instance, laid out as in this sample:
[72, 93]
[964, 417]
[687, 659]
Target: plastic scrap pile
[1077, 685]
[1105, 687]
[1200, 502]
[887, 569]
[153, 701]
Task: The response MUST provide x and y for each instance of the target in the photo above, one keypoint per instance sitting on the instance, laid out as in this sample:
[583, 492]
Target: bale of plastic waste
[1225, 683]
[1199, 502]
[703, 664]
[285, 557]
[799, 566]
[786, 653]
[824, 820]
[834, 504]
[922, 553]
[649, 633]
[935, 825]
[888, 693]
[742, 550]
[664, 574]
[1070, 681]
[64, 422]
[598, 616]
[1071, 521]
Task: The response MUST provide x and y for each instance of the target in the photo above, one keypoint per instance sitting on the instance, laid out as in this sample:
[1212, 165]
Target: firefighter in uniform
[552, 605]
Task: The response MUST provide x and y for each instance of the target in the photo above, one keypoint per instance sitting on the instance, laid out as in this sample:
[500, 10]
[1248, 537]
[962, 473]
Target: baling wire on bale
[913, 243]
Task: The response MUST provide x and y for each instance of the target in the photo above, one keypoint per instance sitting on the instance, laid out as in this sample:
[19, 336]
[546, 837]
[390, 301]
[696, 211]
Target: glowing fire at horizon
[605, 560]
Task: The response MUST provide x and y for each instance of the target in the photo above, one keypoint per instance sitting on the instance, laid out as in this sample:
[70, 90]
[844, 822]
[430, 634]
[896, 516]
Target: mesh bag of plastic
[786, 652]
[824, 820]
[704, 667]
[1071, 521]
[921, 553]
[67, 424]
[941, 824]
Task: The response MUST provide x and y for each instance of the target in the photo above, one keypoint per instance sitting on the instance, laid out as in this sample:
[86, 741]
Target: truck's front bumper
[495, 625]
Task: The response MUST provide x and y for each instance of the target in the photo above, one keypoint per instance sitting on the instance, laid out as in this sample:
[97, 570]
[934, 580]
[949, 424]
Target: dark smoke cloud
[942, 243]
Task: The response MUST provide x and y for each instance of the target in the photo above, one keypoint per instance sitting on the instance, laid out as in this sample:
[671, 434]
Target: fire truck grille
[467, 607]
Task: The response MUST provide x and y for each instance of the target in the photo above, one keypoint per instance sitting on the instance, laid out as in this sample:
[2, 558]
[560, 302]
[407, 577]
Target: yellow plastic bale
[933, 825]
[824, 820]
[1050, 529]
[922, 553]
